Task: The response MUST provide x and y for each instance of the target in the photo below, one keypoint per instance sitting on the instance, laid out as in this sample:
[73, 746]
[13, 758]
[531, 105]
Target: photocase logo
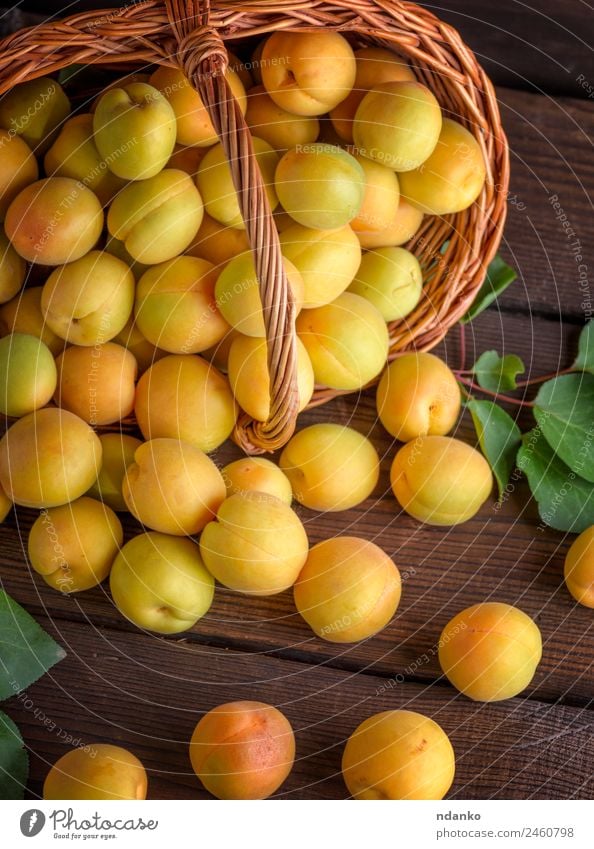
[32, 822]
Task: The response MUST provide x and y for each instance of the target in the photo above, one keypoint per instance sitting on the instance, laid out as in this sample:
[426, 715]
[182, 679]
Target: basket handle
[202, 56]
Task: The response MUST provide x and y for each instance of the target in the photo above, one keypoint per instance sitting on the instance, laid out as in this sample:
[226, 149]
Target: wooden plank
[147, 695]
[502, 554]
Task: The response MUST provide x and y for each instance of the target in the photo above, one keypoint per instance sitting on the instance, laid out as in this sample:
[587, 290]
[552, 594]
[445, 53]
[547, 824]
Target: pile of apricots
[128, 288]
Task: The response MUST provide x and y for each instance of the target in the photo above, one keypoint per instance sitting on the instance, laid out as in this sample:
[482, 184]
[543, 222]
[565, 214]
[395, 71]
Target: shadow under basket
[192, 35]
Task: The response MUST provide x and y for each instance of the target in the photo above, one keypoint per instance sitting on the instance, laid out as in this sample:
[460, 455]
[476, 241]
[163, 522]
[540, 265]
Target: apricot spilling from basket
[97, 771]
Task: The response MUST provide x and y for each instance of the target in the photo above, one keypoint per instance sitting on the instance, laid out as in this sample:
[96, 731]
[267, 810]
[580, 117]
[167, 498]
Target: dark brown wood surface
[147, 692]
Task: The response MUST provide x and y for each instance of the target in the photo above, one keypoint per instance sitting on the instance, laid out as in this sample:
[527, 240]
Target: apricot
[12, 270]
[237, 293]
[398, 754]
[579, 568]
[281, 129]
[320, 185]
[249, 379]
[98, 383]
[23, 315]
[118, 451]
[194, 127]
[143, 351]
[391, 279]
[74, 154]
[348, 590]
[73, 546]
[347, 341]
[374, 65]
[490, 651]
[27, 374]
[184, 397]
[418, 395]
[326, 259]
[89, 301]
[218, 243]
[380, 198]
[453, 176]
[331, 467]
[218, 190]
[18, 168]
[218, 355]
[186, 159]
[48, 458]
[176, 308]
[5, 505]
[405, 223]
[157, 218]
[159, 582]
[118, 249]
[257, 545]
[440, 480]
[308, 73]
[134, 128]
[398, 124]
[243, 750]
[34, 110]
[173, 487]
[99, 771]
[54, 221]
[259, 475]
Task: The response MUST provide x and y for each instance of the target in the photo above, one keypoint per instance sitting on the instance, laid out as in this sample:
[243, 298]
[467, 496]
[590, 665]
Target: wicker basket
[191, 34]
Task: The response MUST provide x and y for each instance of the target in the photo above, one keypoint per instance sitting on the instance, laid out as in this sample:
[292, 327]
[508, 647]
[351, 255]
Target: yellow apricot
[97, 771]
[159, 582]
[186, 159]
[74, 154]
[242, 750]
[184, 397]
[157, 218]
[398, 754]
[405, 223]
[89, 301]
[257, 544]
[48, 458]
[173, 487]
[440, 480]
[579, 568]
[218, 190]
[12, 270]
[380, 199]
[418, 395]
[118, 249]
[143, 351]
[348, 590]
[451, 179]
[249, 379]
[194, 126]
[176, 308]
[326, 259]
[118, 451]
[331, 467]
[307, 73]
[98, 383]
[5, 505]
[218, 355]
[490, 651]
[27, 374]
[54, 221]
[23, 315]
[391, 279]
[347, 341]
[218, 243]
[259, 475]
[397, 124]
[134, 130]
[238, 293]
[281, 129]
[18, 168]
[34, 110]
[73, 546]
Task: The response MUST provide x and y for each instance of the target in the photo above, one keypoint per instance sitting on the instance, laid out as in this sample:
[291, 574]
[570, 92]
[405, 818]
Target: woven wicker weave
[191, 34]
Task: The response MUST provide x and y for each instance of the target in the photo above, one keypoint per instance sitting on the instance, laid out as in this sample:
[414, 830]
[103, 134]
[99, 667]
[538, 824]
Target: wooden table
[146, 692]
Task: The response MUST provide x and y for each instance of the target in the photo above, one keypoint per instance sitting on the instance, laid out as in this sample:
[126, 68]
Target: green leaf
[565, 500]
[585, 357]
[499, 438]
[564, 410]
[498, 278]
[26, 651]
[14, 761]
[498, 374]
